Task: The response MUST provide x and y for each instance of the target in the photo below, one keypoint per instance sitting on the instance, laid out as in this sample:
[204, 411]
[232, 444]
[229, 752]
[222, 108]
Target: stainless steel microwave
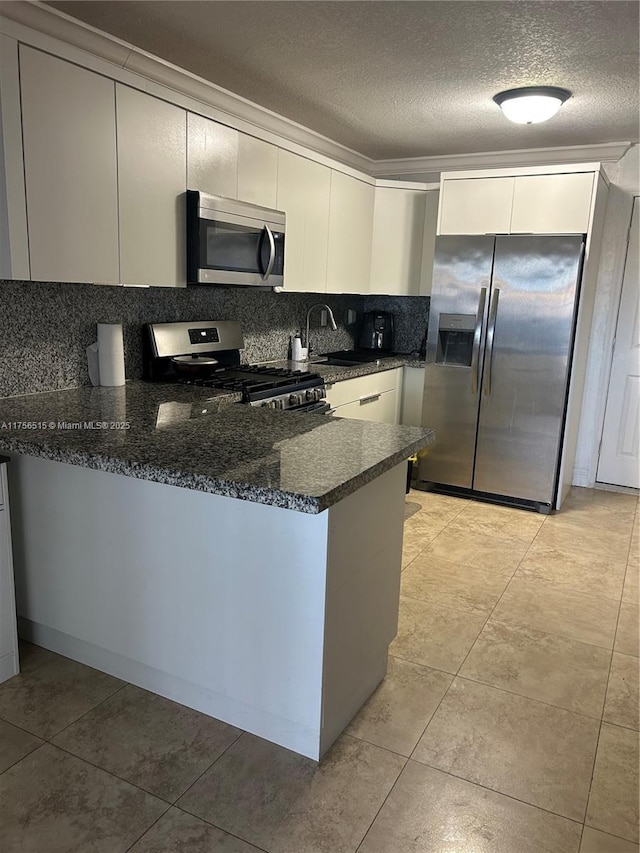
[233, 242]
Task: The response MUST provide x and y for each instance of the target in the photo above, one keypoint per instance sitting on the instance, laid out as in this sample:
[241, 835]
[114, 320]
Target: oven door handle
[272, 251]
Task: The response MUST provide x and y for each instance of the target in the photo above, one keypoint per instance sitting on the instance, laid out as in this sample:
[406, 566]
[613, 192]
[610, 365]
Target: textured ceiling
[402, 79]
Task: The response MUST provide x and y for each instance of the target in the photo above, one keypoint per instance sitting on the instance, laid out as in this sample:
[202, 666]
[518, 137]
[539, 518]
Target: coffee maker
[377, 331]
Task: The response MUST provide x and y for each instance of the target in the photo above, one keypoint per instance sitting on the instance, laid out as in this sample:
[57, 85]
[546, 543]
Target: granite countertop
[199, 439]
[337, 373]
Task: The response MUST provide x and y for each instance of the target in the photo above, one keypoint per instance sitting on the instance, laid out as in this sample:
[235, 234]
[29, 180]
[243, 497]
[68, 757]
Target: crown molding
[601, 153]
[31, 18]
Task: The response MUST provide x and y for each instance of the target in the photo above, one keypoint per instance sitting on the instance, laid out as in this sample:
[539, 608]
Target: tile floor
[508, 721]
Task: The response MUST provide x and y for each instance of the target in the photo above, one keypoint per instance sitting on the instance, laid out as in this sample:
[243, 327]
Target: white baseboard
[611, 487]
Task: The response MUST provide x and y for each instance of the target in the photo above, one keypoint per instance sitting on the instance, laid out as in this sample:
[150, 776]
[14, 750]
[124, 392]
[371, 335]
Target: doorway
[619, 459]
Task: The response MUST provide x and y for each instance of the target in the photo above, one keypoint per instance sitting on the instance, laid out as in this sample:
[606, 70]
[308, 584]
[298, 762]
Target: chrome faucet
[332, 323]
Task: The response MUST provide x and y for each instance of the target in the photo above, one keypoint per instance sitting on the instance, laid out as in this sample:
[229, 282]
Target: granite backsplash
[411, 317]
[46, 327]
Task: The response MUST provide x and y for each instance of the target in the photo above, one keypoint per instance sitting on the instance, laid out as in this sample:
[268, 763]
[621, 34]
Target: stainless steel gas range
[207, 355]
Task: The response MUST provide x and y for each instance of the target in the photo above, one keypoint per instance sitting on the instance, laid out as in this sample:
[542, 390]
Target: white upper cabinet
[350, 233]
[152, 175]
[398, 236]
[212, 157]
[304, 189]
[257, 171]
[14, 241]
[69, 134]
[476, 206]
[552, 204]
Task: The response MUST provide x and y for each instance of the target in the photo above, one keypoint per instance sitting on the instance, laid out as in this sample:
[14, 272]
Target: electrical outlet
[324, 317]
[351, 316]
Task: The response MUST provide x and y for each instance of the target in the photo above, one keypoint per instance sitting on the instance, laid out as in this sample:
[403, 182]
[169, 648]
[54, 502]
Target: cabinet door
[69, 133]
[303, 193]
[552, 204]
[152, 175]
[212, 157]
[350, 233]
[412, 390]
[429, 241]
[398, 235]
[257, 171]
[476, 206]
[352, 390]
[380, 408]
[14, 241]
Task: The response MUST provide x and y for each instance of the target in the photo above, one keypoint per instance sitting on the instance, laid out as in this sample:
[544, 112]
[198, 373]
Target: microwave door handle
[491, 331]
[272, 252]
[477, 333]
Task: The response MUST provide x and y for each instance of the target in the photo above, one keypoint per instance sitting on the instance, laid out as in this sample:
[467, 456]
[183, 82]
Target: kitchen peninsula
[241, 561]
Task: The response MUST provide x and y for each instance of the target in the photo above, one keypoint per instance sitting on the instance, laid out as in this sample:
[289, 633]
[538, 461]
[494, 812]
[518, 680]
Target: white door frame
[625, 184]
[621, 213]
[613, 463]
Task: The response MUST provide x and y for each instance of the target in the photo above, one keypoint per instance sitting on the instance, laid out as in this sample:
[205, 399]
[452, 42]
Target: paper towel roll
[111, 354]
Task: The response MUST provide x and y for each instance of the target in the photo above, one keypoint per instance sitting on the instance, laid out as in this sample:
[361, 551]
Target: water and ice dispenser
[455, 339]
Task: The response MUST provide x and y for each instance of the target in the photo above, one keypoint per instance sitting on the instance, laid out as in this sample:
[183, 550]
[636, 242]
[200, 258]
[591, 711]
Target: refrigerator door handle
[491, 330]
[477, 334]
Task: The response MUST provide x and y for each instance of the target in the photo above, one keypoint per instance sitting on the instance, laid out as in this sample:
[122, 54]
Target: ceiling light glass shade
[531, 104]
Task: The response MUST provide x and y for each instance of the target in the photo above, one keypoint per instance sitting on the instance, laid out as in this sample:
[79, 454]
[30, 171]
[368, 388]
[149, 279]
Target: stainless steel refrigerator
[499, 345]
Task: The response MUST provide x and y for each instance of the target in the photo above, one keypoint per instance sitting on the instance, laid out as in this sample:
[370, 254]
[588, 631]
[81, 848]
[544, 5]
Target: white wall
[624, 176]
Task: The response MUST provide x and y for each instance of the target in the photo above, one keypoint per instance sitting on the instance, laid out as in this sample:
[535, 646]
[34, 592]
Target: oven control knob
[279, 404]
[294, 399]
[273, 404]
[311, 394]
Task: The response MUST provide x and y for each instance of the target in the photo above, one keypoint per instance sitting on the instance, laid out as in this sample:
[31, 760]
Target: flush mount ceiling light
[531, 104]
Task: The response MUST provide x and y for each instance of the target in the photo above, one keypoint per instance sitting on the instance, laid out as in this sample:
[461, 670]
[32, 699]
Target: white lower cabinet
[375, 397]
[381, 408]
[9, 663]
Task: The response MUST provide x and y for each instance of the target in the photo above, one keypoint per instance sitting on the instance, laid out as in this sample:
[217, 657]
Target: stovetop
[252, 378]
[261, 383]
